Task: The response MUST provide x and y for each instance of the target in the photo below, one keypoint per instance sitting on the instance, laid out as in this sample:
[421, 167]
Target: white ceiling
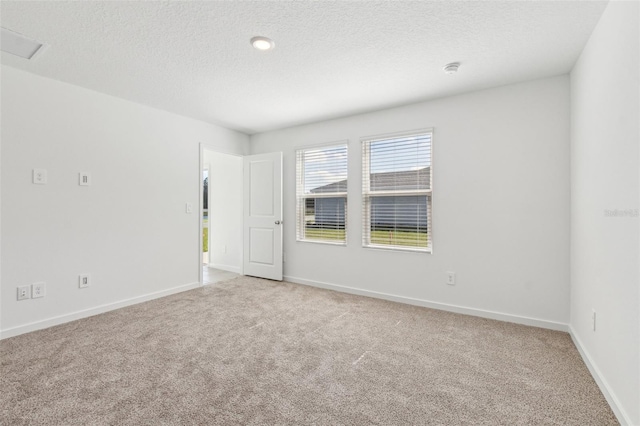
[331, 58]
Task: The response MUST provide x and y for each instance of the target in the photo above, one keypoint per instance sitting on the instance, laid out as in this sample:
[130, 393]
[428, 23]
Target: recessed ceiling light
[262, 43]
[451, 68]
[18, 45]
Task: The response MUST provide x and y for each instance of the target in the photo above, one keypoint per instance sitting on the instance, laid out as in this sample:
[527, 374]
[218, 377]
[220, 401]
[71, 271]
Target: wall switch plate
[39, 176]
[593, 319]
[188, 207]
[84, 280]
[24, 292]
[38, 290]
[84, 179]
[451, 278]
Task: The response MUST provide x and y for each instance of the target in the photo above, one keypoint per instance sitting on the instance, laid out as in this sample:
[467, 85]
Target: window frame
[368, 195]
[301, 197]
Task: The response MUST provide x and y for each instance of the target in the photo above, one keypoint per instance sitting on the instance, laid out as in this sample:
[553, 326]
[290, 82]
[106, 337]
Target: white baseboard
[611, 398]
[61, 319]
[535, 322]
[229, 268]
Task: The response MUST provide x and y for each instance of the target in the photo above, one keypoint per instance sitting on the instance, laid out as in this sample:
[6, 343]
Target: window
[321, 192]
[396, 192]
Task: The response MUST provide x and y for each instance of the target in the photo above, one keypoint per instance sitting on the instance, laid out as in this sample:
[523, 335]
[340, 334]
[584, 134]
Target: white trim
[61, 319]
[227, 268]
[324, 242]
[204, 167]
[311, 147]
[201, 149]
[404, 193]
[394, 135]
[606, 390]
[397, 248]
[39, 52]
[325, 195]
[517, 319]
[210, 147]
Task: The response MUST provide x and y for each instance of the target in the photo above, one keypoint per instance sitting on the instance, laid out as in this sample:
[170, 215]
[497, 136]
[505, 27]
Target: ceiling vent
[451, 68]
[19, 45]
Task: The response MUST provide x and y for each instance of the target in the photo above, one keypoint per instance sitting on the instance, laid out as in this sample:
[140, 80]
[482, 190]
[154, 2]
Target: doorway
[221, 215]
[205, 215]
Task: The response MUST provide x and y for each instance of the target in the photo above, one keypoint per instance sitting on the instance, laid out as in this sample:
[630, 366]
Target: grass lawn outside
[324, 234]
[387, 238]
[399, 238]
[205, 240]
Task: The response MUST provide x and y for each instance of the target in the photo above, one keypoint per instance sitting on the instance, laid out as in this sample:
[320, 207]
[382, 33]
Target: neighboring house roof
[405, 180]
[340, 186]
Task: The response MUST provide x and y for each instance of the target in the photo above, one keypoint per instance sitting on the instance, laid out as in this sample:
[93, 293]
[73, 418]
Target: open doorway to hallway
[205, 215]
[221, 216]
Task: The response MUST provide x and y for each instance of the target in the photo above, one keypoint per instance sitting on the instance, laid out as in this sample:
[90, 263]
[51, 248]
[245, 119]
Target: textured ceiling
[331, 58]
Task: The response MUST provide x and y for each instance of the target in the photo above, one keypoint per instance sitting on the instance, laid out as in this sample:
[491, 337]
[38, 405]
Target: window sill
[329, 243]
[428, 250]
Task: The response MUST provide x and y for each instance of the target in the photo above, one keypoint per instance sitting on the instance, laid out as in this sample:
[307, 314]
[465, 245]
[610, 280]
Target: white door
[263, 215]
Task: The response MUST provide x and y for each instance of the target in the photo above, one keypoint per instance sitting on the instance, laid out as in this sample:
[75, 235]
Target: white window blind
[321, 192]
[396, 191]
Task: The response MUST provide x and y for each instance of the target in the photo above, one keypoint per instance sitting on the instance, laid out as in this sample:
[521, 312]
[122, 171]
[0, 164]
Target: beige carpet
[253, 352]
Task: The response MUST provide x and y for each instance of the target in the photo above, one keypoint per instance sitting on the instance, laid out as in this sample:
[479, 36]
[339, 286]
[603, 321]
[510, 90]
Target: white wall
[604, 249]
[129, 230]
[225, 210]
[500, 204]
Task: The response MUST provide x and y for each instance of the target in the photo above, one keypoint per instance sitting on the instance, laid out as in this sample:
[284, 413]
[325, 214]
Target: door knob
[278, 222]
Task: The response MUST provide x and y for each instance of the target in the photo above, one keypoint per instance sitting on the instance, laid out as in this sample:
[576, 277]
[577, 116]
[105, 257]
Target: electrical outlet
[451, 278]
[84, 280]
[593, 318]
[84, 179]
[24, 292]
[38, 290]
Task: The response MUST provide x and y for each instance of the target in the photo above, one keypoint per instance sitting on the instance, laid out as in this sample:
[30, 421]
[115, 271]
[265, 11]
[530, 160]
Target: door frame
[205, 167]
[201, 147]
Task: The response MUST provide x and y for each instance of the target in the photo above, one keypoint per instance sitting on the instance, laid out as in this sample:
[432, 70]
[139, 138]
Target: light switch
[39, 176]
[84, 179]
[189, 208]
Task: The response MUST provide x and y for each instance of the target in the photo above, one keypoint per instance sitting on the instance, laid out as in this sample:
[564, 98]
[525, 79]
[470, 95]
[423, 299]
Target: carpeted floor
[251, 351]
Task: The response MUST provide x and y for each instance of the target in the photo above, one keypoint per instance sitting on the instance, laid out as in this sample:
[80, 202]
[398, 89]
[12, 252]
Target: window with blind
[321, 192]
[396, 191]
